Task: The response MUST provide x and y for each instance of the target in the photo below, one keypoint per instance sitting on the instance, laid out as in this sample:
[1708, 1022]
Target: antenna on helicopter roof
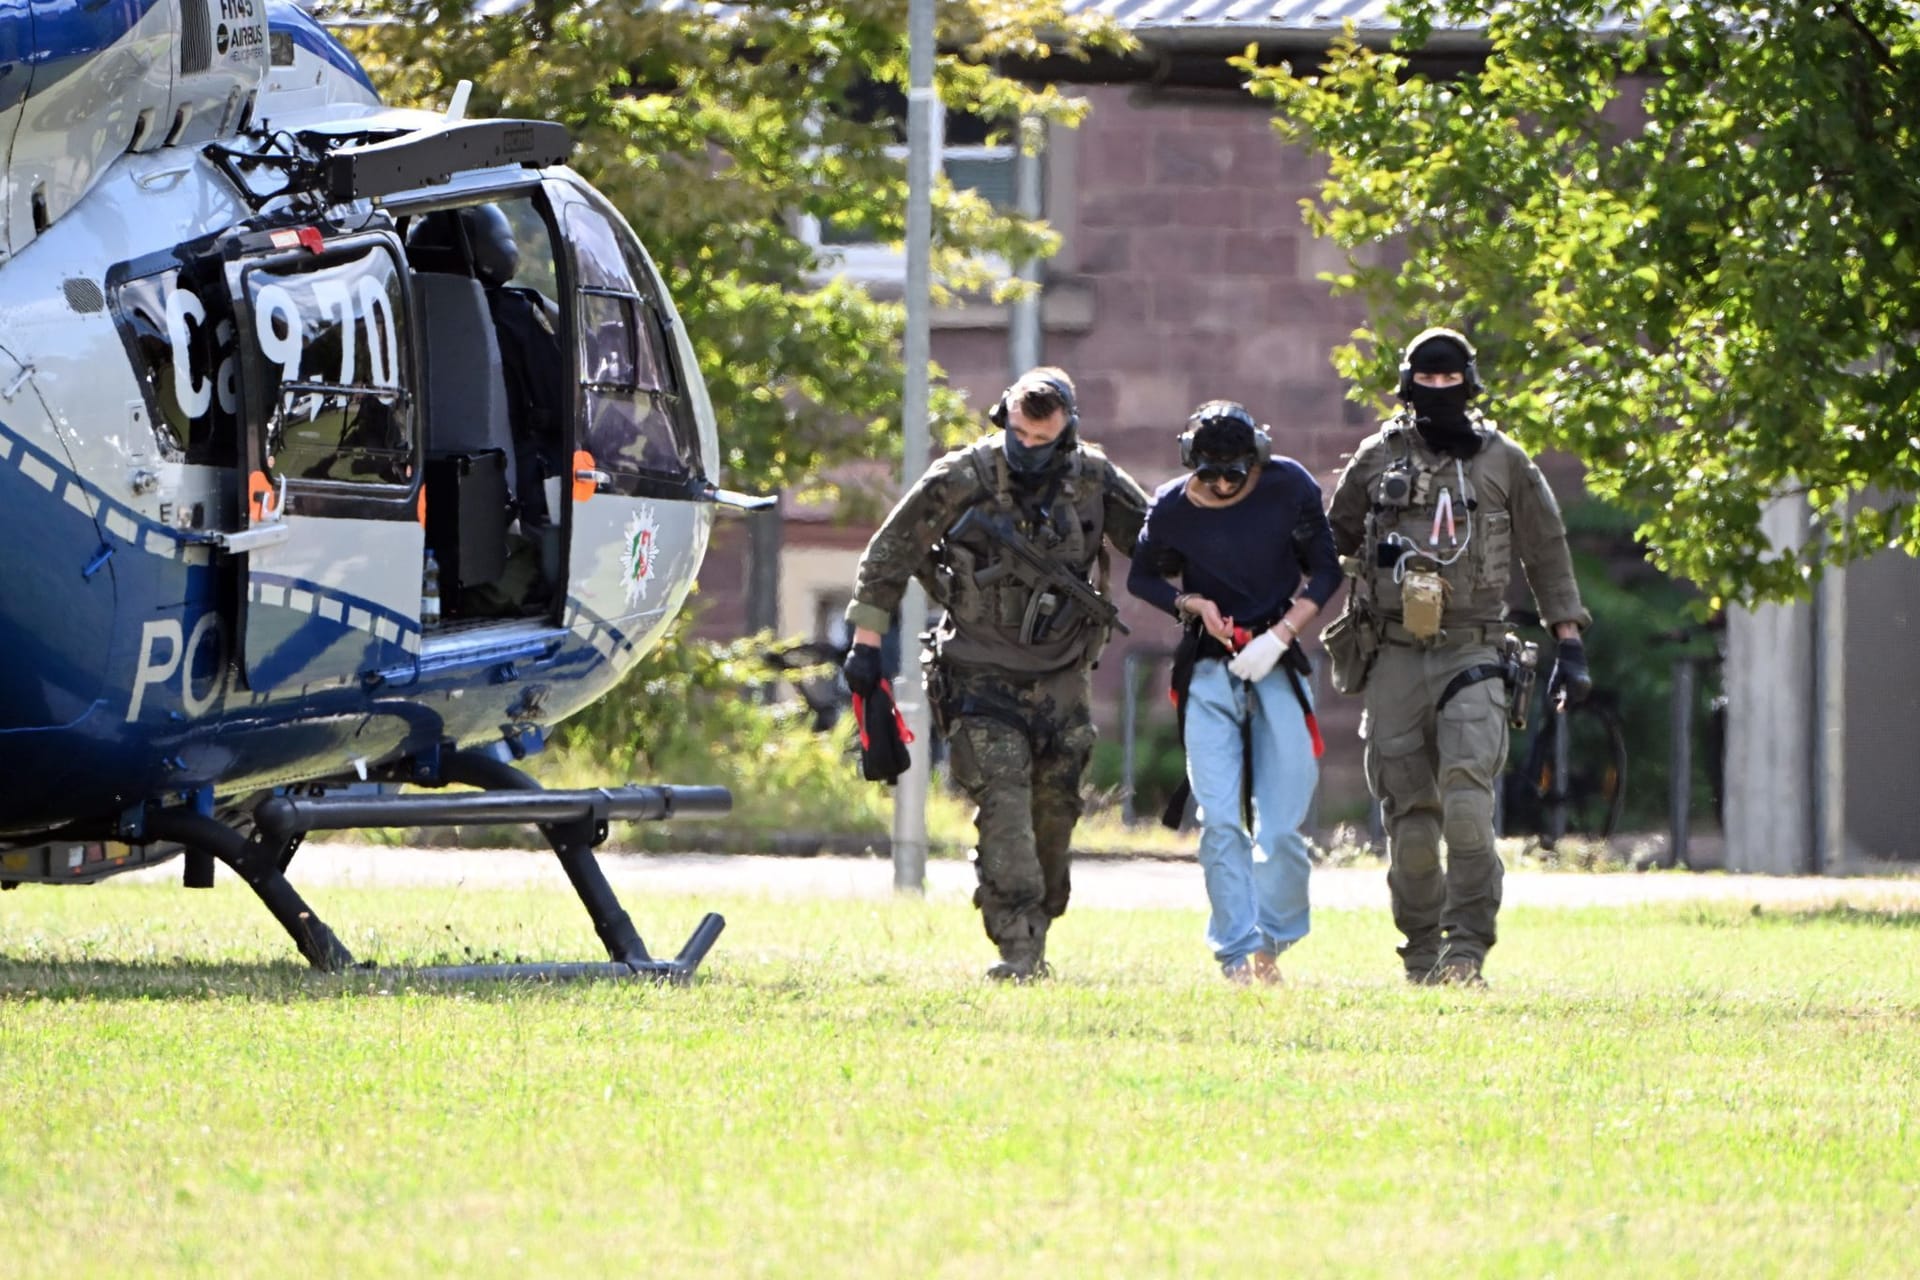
[457, 109]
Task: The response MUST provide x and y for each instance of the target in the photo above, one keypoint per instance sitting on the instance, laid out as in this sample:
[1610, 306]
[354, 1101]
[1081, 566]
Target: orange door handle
[587, 478]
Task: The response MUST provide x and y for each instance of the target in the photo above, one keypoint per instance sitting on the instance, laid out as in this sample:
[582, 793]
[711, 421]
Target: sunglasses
[1214, 473]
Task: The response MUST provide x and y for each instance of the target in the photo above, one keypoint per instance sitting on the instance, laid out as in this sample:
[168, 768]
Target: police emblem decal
[639, 552]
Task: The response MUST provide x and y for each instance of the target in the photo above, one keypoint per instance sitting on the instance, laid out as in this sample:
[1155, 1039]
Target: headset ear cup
[1068, 399]
[998, 414]
[1186, 450]
[1262, 445]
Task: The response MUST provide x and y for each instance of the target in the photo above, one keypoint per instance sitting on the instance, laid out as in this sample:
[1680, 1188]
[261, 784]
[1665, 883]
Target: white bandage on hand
[1260, 655]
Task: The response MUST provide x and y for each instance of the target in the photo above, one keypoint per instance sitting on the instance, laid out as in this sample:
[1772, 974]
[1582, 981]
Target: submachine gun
[1054, 585]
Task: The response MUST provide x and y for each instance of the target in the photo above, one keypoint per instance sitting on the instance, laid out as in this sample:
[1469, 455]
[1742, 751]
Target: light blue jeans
[1256, 882]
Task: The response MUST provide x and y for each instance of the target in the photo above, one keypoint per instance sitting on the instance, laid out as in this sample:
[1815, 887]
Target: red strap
[860, 716]
[1313, 730]
[899, 721]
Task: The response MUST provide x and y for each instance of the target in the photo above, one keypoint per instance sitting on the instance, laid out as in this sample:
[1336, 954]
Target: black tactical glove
[862, 669]
[1570, 674]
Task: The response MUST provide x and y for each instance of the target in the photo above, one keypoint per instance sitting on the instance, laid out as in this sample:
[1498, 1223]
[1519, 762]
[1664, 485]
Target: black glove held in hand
[862, 669]
[1570, 672]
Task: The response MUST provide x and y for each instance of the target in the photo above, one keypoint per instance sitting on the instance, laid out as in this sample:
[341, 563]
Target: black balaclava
[1440, 413]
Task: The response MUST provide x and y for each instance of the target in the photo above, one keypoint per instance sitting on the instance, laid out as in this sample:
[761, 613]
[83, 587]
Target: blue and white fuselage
[228, 388]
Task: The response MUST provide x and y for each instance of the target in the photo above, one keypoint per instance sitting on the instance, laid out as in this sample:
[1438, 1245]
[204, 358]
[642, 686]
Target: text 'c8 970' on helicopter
[340, 446]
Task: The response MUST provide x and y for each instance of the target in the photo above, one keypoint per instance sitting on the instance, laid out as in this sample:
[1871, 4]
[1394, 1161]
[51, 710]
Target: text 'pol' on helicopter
[340, 447]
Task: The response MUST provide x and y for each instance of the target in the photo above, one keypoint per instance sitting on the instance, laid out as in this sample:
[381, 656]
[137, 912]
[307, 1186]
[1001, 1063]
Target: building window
[974, 153]
[830, 620]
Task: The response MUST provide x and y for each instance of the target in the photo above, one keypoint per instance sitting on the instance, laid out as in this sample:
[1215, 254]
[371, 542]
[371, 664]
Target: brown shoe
[1459, 971]
[1266, 968]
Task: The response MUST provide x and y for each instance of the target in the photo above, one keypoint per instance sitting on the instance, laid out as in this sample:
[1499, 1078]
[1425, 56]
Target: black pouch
[883, 736]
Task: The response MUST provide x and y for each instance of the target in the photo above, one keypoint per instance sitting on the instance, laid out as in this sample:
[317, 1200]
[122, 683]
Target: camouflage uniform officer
[1009, 674]
[1427, 517]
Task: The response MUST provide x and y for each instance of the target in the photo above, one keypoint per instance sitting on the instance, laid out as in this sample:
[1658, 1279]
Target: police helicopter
[341, 447]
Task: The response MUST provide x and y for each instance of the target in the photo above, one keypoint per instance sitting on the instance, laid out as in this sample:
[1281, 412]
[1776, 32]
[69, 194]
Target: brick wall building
[1185, 274]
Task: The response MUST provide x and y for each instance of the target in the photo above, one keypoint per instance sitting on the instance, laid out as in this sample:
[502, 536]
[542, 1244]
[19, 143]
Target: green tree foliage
[712, 128]
[690, 714]
[1689, 246]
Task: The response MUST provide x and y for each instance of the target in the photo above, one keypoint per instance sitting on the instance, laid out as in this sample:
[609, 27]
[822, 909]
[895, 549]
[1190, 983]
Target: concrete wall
[1881, 819]
[1823, 731]
[1770, 704]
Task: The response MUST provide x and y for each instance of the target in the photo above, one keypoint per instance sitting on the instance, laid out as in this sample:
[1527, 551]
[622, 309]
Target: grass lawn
[1685, 1091]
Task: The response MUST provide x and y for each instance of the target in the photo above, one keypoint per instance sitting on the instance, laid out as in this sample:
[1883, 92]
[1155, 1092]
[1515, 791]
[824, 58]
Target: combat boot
[1266, 968]
[1021, 969]
[1421, 957]
[1024, 961]
[1457, 971]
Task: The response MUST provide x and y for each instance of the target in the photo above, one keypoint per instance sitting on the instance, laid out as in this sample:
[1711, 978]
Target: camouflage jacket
[1399, 505]
[1079, 502]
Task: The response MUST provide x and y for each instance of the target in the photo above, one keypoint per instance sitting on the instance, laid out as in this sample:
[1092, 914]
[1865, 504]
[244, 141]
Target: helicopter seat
[466, 417]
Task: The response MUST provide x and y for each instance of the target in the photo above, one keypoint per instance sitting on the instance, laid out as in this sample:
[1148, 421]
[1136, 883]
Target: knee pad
[1469, 820]
[1415, 838]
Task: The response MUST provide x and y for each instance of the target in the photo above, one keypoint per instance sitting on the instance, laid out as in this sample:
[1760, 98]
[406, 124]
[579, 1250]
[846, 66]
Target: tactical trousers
[1434, 776]
[1017, 747]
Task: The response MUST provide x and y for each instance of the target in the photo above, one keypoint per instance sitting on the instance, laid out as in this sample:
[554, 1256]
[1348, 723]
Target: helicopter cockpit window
[178, 325]
[639, 426]
[327, 360]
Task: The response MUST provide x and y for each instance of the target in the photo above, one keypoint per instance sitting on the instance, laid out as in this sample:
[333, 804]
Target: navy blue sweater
[1249, 558]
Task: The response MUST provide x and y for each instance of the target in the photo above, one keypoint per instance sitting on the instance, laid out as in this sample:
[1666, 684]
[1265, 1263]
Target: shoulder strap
[1395, 438]
[989, 474]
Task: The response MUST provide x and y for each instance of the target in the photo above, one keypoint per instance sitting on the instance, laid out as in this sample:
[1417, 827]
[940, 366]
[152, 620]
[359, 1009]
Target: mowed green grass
[1685, 1091]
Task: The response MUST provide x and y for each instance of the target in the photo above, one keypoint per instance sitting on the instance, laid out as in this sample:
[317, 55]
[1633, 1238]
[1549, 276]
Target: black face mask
[1030, 463]
[1029, 459]
[1441, 415]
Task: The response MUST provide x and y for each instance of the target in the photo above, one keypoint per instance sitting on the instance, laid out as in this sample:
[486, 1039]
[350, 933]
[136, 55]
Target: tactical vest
[1439, 514]
[992, 615]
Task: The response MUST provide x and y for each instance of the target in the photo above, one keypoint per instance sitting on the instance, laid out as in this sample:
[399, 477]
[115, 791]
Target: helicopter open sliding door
[330, 460]
[640, 520]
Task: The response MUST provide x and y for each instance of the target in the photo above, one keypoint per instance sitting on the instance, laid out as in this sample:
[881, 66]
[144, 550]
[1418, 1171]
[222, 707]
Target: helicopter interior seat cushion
[466, 416]
[466, 381]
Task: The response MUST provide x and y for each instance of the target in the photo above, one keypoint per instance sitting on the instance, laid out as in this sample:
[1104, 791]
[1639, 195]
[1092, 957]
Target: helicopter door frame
[330, 458]
[640, 499]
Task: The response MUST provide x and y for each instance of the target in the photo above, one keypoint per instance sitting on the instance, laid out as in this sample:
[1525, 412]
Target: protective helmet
[1223, 430]
[1439, 350]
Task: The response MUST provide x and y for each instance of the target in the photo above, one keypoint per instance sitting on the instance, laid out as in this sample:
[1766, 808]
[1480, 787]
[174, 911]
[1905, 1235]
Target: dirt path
[1097, 882]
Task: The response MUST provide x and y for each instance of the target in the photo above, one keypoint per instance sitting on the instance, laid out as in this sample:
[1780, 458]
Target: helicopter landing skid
[574, 822]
